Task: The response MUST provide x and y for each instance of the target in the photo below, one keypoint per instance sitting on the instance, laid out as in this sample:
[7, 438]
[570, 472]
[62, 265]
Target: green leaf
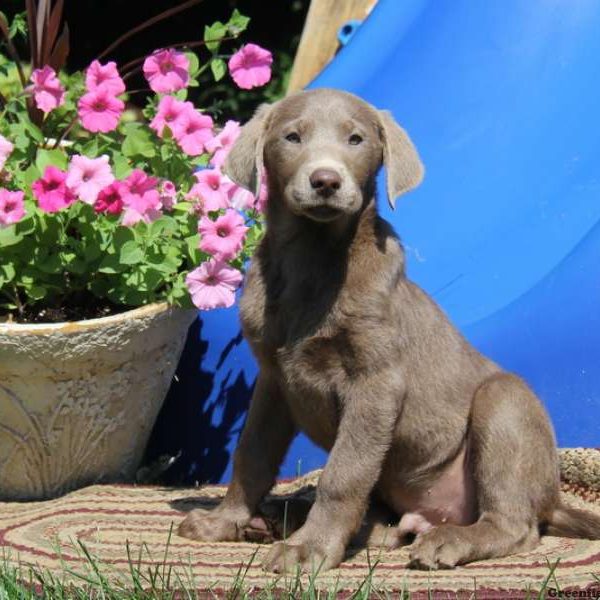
[33, 130]
[218, 68]
[121, 236]
[8, 272]
[122, 167]
[28, 176]
[194, 252]
[9, 237]
[213, 35]
[237, 22]
[50, 264]
[110, 264]
[138, 141]
[131, 254]
[164, 225]
[37, 292]
[181, 94]
[55, 158]
[90, 148]
[150, 278]
[194, 64]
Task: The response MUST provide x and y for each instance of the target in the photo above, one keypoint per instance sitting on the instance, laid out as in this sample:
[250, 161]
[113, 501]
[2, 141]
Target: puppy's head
[322, 150]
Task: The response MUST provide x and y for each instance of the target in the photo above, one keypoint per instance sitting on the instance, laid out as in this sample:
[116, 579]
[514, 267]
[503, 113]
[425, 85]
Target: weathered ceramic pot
[78, 400]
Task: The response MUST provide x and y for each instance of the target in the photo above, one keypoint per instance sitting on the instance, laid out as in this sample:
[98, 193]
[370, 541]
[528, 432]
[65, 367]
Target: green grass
[94, 580]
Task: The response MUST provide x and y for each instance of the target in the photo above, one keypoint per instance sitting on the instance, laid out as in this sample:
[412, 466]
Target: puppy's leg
[516, 476]
[266, 436]
[370, 410]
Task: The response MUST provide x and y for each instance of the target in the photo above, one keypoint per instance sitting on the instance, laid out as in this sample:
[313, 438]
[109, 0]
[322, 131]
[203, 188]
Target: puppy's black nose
[325, 181]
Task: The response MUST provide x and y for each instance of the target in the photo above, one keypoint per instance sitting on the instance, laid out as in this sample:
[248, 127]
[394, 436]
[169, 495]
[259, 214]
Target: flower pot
[78, 400]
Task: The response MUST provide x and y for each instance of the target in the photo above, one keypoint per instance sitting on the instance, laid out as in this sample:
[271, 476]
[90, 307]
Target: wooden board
[319, 42]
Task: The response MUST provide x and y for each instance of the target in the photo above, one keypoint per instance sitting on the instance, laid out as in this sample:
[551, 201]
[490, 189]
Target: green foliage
[65, 257]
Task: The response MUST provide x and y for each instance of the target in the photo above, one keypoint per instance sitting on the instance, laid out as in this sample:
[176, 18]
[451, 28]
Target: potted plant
[113, 231]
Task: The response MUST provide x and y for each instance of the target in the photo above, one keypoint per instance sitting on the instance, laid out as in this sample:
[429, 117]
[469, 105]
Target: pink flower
[47, 90]
[99, 110]
[242, 199]
[110, 199]
[211, 191]
[87, 176]
[168, 194]
[139, 183]
[250, 66]
[223, 237]
[192, 130]
[12, 208]
[140, 198]
[213, 285]
[51, 190]
[169, 113]
[5, 149]
[138, 208]
[104, 76]
[222, 143]
[166, 71]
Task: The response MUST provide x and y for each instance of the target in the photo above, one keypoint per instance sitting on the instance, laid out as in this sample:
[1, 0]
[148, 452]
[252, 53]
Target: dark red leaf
[60, 52]
[31, 19]
[54, 24]
[41, 20]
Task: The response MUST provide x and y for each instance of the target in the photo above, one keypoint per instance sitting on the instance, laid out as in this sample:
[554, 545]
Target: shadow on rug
[112, 520]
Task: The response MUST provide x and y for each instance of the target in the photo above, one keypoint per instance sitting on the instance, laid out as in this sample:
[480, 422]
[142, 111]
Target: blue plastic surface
[502, 99]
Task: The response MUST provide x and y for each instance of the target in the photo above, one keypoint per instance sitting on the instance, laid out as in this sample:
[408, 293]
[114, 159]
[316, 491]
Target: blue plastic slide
[502, 99]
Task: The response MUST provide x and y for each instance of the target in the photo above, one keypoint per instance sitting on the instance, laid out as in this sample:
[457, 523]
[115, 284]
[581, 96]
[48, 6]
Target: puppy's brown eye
[293, 137]
[355, 139]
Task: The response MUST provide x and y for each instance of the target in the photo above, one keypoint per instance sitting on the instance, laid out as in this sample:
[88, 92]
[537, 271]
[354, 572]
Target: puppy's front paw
[207, 527]
[309, 557]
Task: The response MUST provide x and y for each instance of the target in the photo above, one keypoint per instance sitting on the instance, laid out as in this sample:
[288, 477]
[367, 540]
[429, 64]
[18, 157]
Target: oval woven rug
[118, 524]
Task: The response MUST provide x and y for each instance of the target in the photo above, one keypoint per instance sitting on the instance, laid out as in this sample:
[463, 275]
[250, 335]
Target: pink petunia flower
[222, 143]
[169, 113]
[242, 199]
[87, 176]
[47, 89]
[12, 208]
[105, 76]
[110, 199]
[168, 194]
[223, 237]
[140, 198]
[166, 71]
[99, 110]
[250, 66]
[139, 183]
[51, 190]
[144, 208]
[5, 149]
[191, 131]
[212, 190]
[213, 285]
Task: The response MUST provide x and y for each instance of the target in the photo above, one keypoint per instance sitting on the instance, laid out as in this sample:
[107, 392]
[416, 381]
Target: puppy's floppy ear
[244, 163]
[403, 165]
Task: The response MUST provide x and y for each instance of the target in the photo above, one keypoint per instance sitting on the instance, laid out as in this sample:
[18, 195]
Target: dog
[360, 359]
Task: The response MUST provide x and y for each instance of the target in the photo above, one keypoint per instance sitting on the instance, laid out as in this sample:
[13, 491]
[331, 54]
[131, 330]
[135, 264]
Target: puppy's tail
[565, 521]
